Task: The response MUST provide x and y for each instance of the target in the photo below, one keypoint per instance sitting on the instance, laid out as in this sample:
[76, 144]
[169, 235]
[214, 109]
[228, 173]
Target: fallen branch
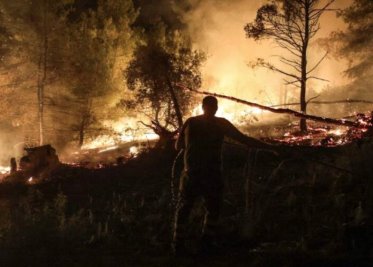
[278, 110]
[345, 101]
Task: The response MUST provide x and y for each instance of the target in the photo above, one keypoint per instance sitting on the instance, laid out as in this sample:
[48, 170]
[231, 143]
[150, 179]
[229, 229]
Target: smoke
[9, 146]
[216, 26]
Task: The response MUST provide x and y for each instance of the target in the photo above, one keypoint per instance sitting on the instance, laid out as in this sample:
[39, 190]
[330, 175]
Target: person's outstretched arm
[232, 132]
[180, 142]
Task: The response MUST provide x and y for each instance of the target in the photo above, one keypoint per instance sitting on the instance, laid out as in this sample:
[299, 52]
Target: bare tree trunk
[81, 133]
[86, 117]
[303, 107]
[42, 73]
[40, 103]
[303, 82]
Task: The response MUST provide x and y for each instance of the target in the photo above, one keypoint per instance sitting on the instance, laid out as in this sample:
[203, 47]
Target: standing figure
[202, 138]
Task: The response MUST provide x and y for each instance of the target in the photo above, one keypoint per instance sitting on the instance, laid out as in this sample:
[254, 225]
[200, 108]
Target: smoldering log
[280, 110]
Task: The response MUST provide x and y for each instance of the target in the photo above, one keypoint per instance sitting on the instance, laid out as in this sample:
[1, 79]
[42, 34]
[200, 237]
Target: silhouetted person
[202, 138]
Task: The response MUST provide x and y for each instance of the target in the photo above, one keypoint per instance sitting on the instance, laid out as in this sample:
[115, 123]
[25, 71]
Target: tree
[72, 56]
[291, 24]
[32, 25]
[356, 42]
[157, 66]
[98, 45]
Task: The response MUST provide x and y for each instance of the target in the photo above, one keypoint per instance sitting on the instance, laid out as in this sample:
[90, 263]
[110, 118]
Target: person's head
[209, 105]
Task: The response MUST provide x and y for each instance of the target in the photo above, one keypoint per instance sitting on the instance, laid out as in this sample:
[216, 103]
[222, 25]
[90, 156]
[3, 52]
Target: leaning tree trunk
[176, 103]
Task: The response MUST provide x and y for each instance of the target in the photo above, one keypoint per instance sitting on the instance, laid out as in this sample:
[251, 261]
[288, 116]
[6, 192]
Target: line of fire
[186, 133]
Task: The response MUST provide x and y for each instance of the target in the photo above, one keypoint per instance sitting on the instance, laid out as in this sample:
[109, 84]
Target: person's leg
[186, 199]
[213, 196]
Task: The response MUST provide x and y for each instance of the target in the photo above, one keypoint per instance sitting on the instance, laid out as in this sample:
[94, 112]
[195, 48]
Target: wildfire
[231, 113]
[123, 131]
[337, 132]
[100, 141]
[324, 136]
[134, 150]
[4, 170]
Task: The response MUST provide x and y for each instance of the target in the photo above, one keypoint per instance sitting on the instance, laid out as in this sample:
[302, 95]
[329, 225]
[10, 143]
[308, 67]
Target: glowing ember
[30, 180]
[324, 135]
[337, 132]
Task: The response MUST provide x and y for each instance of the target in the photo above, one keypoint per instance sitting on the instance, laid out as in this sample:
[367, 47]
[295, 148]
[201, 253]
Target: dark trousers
[205, 184]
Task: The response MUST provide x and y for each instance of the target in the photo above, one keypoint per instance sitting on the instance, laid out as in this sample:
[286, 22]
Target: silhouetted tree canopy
[357, 41]
[152, 74]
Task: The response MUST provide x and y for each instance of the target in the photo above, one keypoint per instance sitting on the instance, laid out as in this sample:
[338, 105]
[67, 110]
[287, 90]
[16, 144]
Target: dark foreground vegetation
[278, 211]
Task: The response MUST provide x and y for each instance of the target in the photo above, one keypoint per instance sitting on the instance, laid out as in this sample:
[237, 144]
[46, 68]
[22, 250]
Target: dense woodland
[67, 67]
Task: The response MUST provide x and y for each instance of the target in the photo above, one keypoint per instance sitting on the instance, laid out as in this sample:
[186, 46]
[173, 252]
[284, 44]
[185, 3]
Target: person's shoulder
[195, 118]
[192, 120]
[222, 120]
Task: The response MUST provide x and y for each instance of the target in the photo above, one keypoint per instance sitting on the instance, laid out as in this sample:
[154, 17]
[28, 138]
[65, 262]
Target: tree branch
[274, 68]
[312, 98]
[318, 11]
[318, 78]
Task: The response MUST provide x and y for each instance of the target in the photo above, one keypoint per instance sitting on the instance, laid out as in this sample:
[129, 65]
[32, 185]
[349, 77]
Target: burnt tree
[291, 25]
